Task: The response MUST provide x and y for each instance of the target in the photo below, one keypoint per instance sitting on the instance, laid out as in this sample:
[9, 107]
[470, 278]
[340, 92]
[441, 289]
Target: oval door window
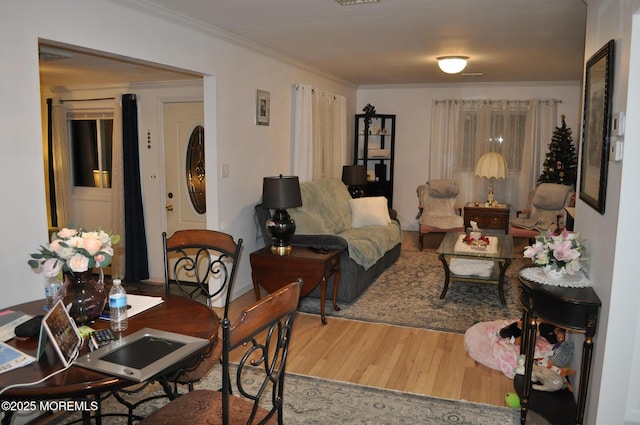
[196, 180]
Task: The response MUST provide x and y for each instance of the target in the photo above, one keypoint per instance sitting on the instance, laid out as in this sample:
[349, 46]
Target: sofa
[363, 228]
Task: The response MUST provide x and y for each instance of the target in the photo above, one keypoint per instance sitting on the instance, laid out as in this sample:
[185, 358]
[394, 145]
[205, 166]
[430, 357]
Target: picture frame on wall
[596, 127]
[262, 107]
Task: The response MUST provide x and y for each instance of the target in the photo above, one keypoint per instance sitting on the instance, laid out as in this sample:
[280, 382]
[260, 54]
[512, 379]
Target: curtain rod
[87, 100]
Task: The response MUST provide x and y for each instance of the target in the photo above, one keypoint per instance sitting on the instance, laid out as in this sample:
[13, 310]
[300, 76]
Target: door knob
[169, 207]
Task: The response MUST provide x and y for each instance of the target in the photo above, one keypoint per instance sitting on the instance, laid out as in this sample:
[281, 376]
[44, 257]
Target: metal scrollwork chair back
[194, 259]
[264, 331]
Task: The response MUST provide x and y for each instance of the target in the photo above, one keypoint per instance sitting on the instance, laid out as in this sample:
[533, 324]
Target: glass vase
[86, 295]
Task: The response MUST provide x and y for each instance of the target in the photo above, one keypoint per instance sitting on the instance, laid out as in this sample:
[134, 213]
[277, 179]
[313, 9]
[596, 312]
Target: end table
[495, 217]
[271, 272]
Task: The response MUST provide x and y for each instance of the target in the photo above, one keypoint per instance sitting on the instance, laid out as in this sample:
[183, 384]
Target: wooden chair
[192, 260]
[437, 211]
[264, 331]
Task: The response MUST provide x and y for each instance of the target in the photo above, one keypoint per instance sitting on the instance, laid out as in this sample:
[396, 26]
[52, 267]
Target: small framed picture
[262, 107]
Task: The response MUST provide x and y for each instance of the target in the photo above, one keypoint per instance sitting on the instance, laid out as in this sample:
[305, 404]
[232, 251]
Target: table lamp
[280, 193]
[354, 176]
[493, 166]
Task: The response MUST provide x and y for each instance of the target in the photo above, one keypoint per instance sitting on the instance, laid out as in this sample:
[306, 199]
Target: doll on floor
[551, 333]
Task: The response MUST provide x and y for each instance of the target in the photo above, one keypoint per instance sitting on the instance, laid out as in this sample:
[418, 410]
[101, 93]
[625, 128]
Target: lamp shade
[492, 165]
[452, 64]
[354, 175]
[281, 192]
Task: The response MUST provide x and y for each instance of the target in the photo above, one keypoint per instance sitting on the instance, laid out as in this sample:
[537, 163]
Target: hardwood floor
[407, 359]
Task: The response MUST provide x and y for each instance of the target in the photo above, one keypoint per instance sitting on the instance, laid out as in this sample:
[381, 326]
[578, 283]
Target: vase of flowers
[71, 256]
[558, 255]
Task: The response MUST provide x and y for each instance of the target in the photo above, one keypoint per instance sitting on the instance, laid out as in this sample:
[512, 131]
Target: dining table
[175, 314]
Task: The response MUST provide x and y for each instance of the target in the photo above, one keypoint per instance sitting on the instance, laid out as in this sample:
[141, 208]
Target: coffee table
[500, 252]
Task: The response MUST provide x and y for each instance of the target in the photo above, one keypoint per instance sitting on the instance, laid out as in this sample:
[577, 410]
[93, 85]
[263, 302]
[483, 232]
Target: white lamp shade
[492, 165]
[452, 64]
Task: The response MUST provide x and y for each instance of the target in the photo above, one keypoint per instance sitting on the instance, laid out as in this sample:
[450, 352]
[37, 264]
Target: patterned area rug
[408, 294]
[311, 400]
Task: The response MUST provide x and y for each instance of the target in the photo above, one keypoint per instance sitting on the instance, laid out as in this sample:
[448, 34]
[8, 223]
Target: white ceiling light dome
[452, 64]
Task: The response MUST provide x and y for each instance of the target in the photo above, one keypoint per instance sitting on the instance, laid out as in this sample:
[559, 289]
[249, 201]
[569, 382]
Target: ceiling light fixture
[452, 64]
[350, 2]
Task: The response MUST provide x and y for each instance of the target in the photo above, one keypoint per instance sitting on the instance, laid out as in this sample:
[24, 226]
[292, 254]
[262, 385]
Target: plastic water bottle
[118, 307]
[51, 287]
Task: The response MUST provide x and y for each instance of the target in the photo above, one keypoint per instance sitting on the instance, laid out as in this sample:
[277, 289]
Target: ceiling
[390, 42]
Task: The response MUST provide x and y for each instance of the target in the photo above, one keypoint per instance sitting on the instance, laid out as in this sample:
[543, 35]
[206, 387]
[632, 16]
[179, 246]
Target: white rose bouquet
[75, 251]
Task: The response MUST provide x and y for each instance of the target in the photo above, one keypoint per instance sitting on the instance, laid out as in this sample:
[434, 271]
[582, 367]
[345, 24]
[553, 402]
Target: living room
[232, 84]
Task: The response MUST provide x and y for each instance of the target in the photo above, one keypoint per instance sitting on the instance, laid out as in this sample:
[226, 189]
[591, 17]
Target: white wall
[615, 395]
[412, 105]
[232, 76]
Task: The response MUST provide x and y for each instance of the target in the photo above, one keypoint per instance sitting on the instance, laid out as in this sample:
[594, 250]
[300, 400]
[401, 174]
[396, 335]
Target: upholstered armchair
[546, 210]
[437, 208]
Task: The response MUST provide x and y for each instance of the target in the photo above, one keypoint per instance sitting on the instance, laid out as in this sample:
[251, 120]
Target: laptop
[138, 356]
[63, 332]
[142, 354]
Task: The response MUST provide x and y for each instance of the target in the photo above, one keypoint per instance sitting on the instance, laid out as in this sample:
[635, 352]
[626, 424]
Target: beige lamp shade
[493, 166]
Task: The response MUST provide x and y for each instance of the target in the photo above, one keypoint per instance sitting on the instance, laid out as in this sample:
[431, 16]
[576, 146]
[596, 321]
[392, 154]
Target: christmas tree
[561, 162]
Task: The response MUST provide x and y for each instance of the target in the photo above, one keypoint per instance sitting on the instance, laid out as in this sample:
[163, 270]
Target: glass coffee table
[499, 250]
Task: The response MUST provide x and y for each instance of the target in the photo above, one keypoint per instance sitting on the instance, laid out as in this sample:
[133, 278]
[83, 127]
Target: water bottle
[51, 287]
[118, 307]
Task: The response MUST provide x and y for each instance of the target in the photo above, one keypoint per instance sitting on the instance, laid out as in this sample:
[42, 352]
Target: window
[494, 127]
[91, 142]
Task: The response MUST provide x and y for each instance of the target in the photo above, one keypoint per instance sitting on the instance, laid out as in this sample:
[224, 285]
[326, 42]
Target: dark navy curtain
[136, 259]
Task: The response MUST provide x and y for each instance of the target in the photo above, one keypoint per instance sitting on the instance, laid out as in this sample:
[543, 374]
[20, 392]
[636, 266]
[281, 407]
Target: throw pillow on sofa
[369, 211]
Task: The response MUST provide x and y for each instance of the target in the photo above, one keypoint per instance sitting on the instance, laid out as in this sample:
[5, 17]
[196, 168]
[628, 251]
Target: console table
[569, 308]
[495, 217]
[272, 272]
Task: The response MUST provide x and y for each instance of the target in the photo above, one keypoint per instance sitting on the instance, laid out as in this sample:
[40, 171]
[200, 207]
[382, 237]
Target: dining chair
[437, 210]
[262, 334]
[200, 264]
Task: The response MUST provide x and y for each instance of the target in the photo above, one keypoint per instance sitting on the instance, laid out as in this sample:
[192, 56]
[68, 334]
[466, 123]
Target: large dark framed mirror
[596, 128]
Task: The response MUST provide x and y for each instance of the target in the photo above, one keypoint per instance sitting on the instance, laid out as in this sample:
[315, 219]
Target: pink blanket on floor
[484, 344]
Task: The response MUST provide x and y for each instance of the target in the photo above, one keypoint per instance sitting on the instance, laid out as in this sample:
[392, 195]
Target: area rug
[311, 400]
[408, 294]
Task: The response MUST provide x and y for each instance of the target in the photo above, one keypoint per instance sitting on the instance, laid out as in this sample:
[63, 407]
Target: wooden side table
[272, 272]
[568, 308]
[496, 217]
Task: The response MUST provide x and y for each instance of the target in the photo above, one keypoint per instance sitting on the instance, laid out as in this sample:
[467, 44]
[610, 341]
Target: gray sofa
[325, 220]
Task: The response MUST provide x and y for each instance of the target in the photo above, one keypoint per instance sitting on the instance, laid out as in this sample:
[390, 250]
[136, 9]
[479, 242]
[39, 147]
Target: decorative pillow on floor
[484, 344]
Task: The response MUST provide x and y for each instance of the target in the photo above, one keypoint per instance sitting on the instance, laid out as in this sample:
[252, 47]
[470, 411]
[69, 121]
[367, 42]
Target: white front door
[183, 131]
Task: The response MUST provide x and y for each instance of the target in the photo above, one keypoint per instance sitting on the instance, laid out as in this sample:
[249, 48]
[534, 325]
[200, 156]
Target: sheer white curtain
[61, 161]
[319, 133]
[462, 131]
[117, 193]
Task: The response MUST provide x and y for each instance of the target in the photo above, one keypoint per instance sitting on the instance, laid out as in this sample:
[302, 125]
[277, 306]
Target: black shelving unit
[374, 148]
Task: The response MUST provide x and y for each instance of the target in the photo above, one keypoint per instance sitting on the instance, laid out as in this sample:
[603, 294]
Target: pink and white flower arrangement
[563, 252]
[75, 251]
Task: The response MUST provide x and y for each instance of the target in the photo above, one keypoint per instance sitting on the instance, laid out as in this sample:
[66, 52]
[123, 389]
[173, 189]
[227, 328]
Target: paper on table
[138, 304]
[9, 319]
[11, 358]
